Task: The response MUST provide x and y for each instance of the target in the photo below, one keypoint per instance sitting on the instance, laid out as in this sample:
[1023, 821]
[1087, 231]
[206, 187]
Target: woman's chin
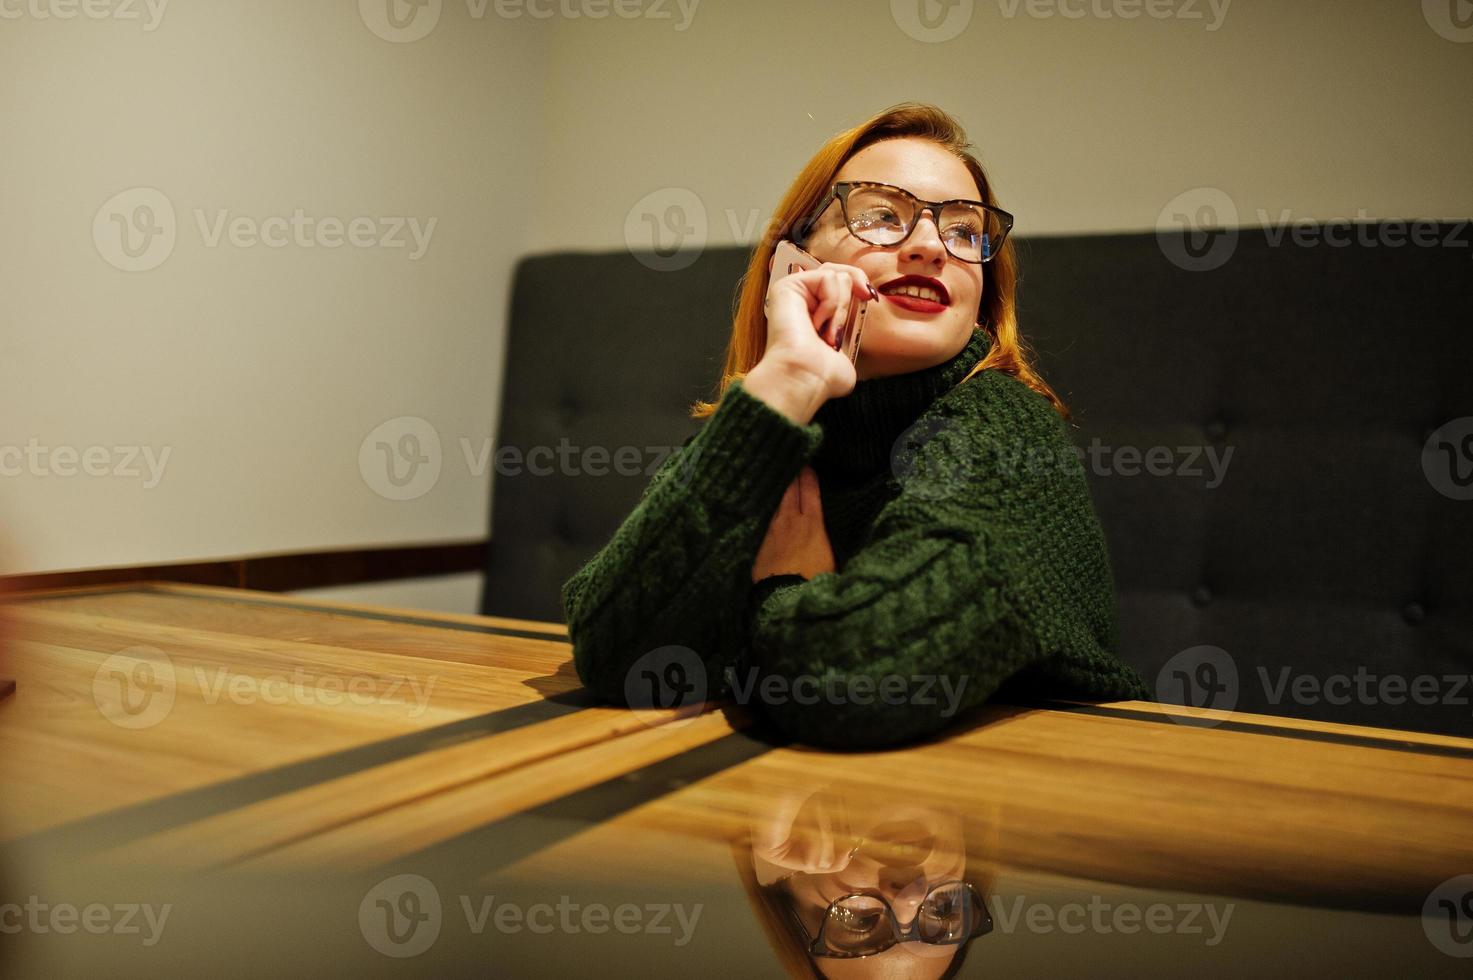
[891, 345]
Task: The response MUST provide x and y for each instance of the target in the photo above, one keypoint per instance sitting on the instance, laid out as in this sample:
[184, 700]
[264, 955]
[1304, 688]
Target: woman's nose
[905, 889]
[924, 243]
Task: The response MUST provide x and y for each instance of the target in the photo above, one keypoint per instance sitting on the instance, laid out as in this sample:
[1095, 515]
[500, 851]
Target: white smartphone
[787, 259]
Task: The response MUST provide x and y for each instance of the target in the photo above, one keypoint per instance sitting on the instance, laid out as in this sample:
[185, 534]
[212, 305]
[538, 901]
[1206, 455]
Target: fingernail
[873, 292]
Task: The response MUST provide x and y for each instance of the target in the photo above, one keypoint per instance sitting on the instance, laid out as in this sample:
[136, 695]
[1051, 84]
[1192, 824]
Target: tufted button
[1201, 596]
[1215, 429]
[1413, 613]
[567, 409]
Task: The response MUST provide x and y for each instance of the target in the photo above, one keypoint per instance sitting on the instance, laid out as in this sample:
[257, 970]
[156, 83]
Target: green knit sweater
[969, 559]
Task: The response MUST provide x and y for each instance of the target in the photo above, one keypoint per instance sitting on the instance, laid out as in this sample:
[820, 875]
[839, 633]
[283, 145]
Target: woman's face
[897, 340]
[906, 850]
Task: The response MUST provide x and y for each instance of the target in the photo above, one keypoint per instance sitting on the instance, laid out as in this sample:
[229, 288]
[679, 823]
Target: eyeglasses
[885, 215]
[862, 925]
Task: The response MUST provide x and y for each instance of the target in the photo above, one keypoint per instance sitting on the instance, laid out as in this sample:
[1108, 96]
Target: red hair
[998, 316]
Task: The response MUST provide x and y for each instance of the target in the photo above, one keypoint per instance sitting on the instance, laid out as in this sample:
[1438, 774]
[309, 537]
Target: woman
[848, 882]
[864, 549]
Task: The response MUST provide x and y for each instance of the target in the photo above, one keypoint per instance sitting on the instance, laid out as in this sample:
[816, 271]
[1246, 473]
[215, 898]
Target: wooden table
[271, 769]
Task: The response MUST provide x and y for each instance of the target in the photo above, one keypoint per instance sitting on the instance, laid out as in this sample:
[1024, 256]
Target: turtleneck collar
[860, 429]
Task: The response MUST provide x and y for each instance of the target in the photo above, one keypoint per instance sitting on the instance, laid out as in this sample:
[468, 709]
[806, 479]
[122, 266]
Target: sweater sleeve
[990, 562]
[678, 571]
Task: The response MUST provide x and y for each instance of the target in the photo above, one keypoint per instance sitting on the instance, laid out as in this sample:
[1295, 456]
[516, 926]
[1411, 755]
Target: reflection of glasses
[862, 925]
[882, 214]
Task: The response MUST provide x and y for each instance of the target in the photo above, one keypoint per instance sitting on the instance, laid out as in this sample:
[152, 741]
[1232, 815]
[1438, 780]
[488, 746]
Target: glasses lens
[858, 926]
[879, 215]
[882, 216]
[946, 914]
[971, 233]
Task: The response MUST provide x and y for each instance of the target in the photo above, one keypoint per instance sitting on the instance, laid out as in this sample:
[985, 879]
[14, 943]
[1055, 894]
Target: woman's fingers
[836, 288]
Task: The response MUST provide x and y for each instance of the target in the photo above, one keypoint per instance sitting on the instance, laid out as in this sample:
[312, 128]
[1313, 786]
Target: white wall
[262, 370]
[259, 370]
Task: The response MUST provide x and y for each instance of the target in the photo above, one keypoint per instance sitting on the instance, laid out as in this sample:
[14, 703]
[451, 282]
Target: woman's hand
[801, 367]
[796, 542]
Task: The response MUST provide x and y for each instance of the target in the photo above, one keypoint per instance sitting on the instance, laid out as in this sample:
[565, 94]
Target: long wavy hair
[998, 316]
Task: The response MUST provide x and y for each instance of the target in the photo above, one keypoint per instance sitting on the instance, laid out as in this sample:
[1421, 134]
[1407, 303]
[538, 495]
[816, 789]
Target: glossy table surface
[278, 785]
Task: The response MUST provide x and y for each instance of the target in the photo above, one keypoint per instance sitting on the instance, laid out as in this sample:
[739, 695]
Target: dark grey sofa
[1328, 555]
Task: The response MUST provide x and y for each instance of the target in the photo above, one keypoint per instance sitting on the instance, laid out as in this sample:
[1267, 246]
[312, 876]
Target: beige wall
[261, 370]
[1089, 124]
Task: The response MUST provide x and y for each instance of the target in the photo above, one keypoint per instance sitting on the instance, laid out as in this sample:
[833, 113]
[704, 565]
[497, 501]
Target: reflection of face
[896, 340]
[905, 851]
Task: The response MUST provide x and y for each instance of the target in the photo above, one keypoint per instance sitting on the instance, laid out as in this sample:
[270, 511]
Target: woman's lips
[914, 303]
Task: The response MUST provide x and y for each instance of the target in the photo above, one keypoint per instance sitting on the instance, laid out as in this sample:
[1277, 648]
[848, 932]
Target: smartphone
[787, 259]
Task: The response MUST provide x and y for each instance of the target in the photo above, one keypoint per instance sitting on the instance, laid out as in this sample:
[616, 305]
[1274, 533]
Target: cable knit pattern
[968, 554]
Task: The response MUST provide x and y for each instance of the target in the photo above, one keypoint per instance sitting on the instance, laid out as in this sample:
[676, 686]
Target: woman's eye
[878, 216]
